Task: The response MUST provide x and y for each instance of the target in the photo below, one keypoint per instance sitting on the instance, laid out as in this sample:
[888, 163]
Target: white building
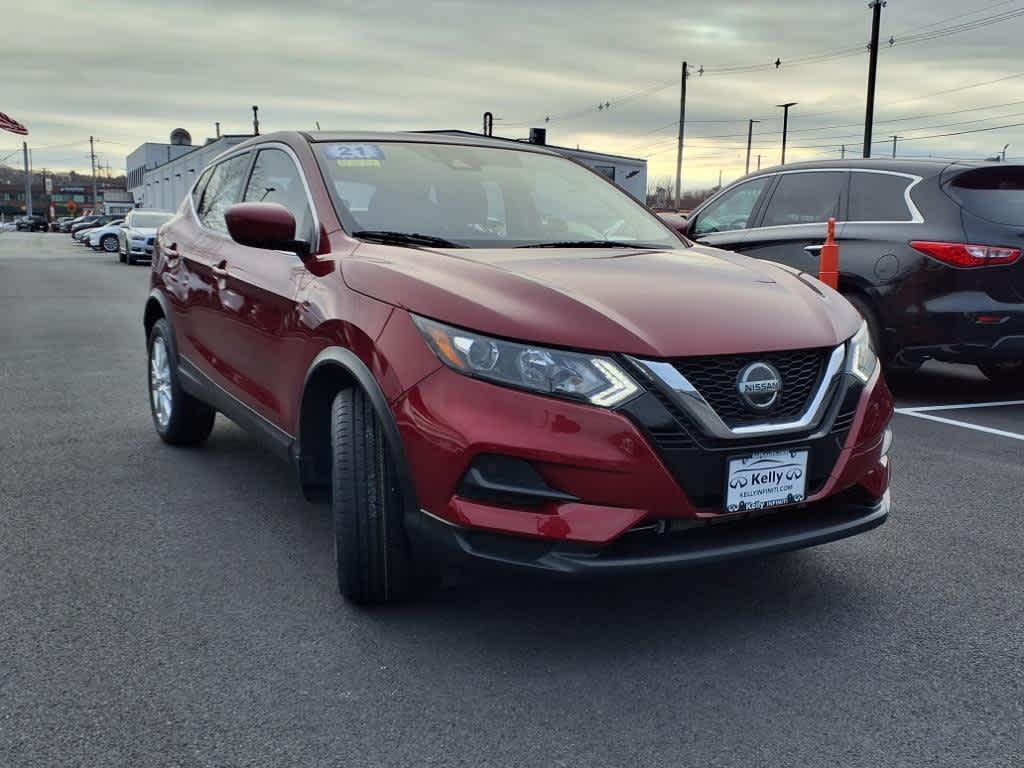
[160, 175]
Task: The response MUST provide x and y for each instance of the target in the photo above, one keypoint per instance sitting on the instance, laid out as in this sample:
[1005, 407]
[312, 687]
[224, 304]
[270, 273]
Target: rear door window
[806, 198]
[733, 210]
[994, 194]
[223, 190]
[879, 197]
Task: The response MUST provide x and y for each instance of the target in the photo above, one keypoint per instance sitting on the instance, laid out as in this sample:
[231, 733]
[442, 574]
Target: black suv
[930, 251]
[32, 223]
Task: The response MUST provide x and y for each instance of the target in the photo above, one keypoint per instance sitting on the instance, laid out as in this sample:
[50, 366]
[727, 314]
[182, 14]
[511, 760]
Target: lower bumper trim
[784, 531]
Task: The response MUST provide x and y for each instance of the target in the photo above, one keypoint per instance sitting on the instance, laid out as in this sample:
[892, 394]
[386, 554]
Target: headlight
[863, 359]
[590, 378]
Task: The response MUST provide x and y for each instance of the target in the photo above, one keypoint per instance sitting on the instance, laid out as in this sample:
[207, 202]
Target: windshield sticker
[356, 155]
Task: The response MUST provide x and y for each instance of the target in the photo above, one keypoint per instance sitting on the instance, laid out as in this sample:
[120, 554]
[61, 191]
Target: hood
[144, 231]
[694, 301]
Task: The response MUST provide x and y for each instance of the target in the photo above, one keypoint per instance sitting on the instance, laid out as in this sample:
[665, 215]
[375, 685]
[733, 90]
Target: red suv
[479, 350]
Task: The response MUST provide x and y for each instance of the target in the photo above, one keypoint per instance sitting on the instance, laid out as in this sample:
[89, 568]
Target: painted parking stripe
[924, 412]
[967, 406]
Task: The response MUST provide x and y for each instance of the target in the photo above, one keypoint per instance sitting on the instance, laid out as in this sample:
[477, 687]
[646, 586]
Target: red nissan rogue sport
[479, 350]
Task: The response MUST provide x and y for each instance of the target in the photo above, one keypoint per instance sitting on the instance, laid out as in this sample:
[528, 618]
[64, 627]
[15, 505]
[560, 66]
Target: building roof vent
[181, 138]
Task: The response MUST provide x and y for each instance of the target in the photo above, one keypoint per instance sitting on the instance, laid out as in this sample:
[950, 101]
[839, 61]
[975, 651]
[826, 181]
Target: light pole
[1006, 147]
[750, 140]
[785, 125]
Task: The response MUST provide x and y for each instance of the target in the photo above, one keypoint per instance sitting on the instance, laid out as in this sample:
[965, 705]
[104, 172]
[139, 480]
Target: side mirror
[264, 225]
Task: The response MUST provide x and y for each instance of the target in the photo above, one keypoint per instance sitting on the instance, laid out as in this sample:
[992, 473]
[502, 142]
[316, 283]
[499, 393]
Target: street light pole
[28, 180]
[750, 140]
[894, 140]
[785, 125]
[682, 130]
[869, 117]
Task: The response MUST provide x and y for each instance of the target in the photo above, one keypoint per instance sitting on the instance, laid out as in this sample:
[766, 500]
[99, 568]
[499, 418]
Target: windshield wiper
[590, 244]
[389, 237]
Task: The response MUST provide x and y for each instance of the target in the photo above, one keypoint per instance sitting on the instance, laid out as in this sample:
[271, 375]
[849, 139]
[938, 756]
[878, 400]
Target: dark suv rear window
[995, 194]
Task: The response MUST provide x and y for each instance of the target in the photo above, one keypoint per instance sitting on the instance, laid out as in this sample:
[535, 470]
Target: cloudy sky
[128, 72]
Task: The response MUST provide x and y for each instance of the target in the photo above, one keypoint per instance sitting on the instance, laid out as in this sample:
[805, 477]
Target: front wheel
[109, 243]
[179, 418]
[1008, 374]
[372, 554]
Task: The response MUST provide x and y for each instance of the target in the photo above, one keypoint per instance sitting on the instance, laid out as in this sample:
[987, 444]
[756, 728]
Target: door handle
[814, 250]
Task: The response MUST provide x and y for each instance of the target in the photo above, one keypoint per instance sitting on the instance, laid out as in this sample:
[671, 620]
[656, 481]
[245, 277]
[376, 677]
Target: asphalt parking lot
[164, 607]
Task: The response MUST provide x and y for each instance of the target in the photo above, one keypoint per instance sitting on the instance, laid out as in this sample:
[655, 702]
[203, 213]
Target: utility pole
[869, 118]
[843, 155]
[255, 120]
[682, 128]
[894, 140]
[1006, 147]
[28, 180]
[750, 140]
[95, 191]
[759, 162]
[785, 125]
[719, 178]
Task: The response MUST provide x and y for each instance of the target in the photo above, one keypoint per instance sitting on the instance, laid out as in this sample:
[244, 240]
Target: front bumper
[141, 248]
[775, 532]
[623, 477]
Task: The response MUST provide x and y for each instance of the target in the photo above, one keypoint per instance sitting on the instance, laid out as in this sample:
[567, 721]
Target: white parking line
[924, 412]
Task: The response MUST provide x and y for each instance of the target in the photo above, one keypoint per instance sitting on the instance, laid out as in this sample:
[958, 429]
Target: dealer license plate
[766, 479]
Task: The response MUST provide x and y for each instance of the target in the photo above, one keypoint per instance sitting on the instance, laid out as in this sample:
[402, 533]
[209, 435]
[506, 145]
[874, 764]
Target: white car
[138, 232]
[105, 237]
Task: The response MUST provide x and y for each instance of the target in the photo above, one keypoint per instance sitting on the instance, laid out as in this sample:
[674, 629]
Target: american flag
[12, 125]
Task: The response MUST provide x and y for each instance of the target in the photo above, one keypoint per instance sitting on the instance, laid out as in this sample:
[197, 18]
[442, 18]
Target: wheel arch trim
[351, 366]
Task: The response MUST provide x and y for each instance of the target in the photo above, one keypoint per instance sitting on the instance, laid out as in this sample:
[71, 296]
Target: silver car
[135, 240]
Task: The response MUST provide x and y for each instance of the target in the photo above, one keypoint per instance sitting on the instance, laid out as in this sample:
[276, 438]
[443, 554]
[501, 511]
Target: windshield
[149, 220]
[482, 197]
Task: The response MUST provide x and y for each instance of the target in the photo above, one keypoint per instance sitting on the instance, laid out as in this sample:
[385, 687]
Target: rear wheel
[372, 554]
[179, 418]
[109, 243]
[1008, 374]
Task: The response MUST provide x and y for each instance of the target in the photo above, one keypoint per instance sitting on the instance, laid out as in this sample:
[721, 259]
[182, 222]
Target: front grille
[716, 379]
[699, 462]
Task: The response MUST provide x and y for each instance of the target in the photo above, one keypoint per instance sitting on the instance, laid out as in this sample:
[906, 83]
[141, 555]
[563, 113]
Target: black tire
[1009, 374]
[371, 550]
[121, 257]
[109, 243]
[191, 420]
[130, 259]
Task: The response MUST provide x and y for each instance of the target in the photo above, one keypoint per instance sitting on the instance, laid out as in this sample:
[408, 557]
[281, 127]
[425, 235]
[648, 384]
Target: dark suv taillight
[968, 256]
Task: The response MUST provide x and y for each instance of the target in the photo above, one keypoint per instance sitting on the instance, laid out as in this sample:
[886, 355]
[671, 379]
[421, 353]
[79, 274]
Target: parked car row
[130, 236]
[930, 251]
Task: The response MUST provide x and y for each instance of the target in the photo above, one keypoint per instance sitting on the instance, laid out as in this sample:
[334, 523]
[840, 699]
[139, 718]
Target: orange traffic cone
[828, 265]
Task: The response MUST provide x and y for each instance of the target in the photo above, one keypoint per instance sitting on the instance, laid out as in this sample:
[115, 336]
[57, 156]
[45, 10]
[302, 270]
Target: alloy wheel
[160, 382]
